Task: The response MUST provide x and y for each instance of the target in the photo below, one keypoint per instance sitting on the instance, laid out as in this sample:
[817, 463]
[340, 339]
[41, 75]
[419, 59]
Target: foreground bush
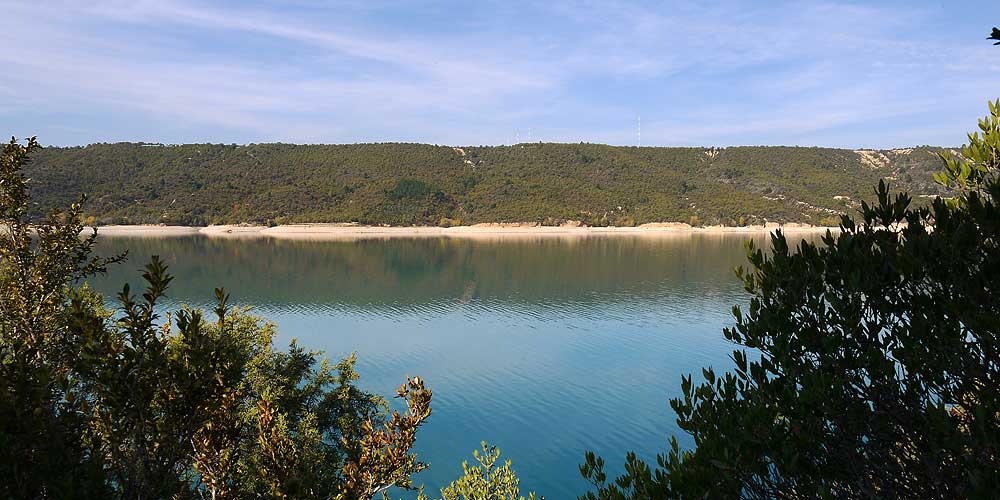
[871, 366]
[126, 404]
[486, 481]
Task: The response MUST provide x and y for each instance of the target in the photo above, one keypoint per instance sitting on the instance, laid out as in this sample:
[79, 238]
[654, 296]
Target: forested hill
[415, 184]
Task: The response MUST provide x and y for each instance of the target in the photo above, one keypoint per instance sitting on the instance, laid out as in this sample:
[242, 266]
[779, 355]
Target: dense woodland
[416, 184]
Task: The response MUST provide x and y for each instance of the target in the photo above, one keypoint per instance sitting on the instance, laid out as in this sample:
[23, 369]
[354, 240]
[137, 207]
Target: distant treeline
[417, 184]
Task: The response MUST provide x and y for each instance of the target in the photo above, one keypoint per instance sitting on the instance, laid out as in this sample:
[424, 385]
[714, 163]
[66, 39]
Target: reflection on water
[545, 347]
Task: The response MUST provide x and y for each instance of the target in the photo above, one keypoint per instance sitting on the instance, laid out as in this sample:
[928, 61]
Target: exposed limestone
[873, 159]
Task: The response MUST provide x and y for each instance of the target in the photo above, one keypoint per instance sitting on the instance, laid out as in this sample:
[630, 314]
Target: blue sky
[844, 74]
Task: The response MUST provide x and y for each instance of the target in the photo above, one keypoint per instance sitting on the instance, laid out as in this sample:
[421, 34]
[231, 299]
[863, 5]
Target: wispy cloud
[823, 73]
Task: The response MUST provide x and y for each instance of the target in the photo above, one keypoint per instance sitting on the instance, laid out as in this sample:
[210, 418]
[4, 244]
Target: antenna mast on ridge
[639, 132]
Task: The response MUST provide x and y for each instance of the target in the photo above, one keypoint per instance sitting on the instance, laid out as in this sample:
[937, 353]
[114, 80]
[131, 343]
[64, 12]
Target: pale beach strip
[489, 231]
[143, 230]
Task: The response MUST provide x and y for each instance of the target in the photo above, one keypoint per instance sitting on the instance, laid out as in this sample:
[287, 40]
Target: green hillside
[416, 184]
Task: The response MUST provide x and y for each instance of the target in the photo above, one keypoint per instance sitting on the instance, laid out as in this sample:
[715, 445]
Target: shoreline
[497, 230]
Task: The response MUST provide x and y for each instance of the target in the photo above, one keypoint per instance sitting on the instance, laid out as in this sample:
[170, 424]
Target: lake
[545, 347]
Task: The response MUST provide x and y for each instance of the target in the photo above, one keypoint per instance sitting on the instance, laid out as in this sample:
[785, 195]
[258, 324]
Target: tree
[43, 449]
[130, 404]
[870, 364]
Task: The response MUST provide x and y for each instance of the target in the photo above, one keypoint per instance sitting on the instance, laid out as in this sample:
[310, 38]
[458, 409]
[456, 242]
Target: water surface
[546, 347]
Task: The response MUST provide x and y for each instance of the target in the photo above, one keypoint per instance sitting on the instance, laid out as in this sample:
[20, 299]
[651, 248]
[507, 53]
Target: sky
[852, 74]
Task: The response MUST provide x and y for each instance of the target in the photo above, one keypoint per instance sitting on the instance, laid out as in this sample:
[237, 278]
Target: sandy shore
[504, 230]
[144, 230]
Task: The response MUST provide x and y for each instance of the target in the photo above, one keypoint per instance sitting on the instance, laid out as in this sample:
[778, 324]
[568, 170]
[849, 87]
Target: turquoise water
[544, 347]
